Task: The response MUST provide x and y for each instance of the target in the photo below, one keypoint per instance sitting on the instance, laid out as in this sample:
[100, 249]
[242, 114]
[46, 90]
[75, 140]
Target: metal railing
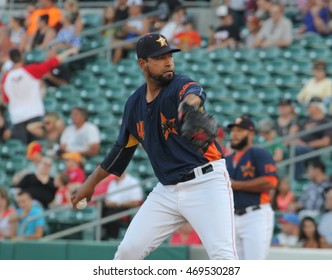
[98, 222]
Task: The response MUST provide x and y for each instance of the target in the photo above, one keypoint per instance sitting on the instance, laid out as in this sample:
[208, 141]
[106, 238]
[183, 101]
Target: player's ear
[142, 62]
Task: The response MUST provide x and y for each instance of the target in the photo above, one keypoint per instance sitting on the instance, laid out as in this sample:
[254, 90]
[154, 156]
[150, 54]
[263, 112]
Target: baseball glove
[197, 127]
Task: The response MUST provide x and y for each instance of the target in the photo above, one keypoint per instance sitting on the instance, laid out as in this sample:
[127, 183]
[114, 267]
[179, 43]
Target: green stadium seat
[208, 80]
[294, 51]
[50, 104]
[219, 55]
[234, 79]
[35, 56]
[302, 66]
[251, 66]
[97, 106]
[91, 20]
[108, 80]
[269, 53]
[277, 66]
[218, 94]
[133, 80]
[202, 67]
[89, 43]
[66, 106]
[243, 93]
[115, 92]
[268, 95]
[99, 67]
[89, 93]
[195, 55]
[65, 92]
[287, 80]
[245, 54]
[319, 53]
[127, 65]
[14, 164]
[259, 79]
[82, 79]
[12, 148]
[254, 109]
[230, 108]
[227, 66]
[4, 179]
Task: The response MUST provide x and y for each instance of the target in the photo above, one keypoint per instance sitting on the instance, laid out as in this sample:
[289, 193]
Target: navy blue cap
[243, 122]
[153, 45]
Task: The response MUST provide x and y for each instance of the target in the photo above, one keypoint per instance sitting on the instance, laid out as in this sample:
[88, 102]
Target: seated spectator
[248, 34]
[287, 121]
[40, 185]
[174, 25]
[319, 86]
[275, 31]
[268, 132]
[309, 236]
[108, 18]
[263, 8]
[4, 126]
[62, 195]
[49, 129]
[82, 136]
[67, 36]
[166, 8]
[27, 209]
[288, 237]
[135, 27]
[284, 197]
[34, 155]
[74, 169]
[188, 38]
[7, 229]
[186, 235]
[17, 32]
[313, 196]
[319, 139]
[121, 10]
[227, 35]
[119, 200]
[73, 7]
[316, 18]
[46, 7]
[325, 224]
[43, 35]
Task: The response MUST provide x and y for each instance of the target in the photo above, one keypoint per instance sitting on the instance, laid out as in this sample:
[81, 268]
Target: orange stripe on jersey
[265, 198]
[212, 153]
[132, 141]
[184, 88]
[272, 179]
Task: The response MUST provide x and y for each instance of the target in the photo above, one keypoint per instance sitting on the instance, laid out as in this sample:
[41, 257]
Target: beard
[160, 79]
[241, 144]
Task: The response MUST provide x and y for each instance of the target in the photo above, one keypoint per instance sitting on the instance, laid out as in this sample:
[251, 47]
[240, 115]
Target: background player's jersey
[155, 125]
[255, 162]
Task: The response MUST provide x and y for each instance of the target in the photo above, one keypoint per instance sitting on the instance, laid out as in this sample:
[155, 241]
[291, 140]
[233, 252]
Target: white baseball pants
[253, 232]
[206, 202]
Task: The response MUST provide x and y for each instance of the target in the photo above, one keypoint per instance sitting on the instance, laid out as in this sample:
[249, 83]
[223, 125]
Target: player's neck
[152, 91]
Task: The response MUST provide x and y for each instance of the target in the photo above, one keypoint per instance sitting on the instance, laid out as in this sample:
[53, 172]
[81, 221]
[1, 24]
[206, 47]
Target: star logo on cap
[162, 41]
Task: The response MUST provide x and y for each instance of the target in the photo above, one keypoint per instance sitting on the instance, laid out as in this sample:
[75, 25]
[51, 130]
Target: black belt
[243, 211]
[191, 175]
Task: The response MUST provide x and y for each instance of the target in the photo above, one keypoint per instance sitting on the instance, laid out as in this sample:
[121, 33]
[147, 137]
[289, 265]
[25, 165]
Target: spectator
[62, 195]
[325, 224]
[313, 196]
[227, 35]
[46, 7]
[319, 86]
[49, 129]
[21, 90]
[188, 38]
[27, 209]
[17, 32]
[174, 25]
[309, 236]
[74, 169]
[288, 237]
[82, 136]
[7, 229]
[43, 35]
[287, 121]
[4, 126]
[316, 18]
[186, 235]
[121, 10]
[58, 76]
[124, 193]
[238, 10]
[166, 8]
[248, 35]
[73, 7]
[40, 185]
[263, 8]
[284, 197]
[268, 132]
[67, 36]
[108, 18]
[275, 31]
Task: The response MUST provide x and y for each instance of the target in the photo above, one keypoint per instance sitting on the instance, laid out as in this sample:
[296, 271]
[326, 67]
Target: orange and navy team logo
[168, 126]
[140, 129]
[162, 41]
[248, 169]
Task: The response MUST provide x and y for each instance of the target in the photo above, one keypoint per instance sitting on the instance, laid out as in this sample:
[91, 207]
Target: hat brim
[163, 51]
[230, 126]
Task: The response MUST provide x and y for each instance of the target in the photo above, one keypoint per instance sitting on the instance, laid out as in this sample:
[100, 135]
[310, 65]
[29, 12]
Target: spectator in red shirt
[188, 38]
[62, 195]
[74, 170]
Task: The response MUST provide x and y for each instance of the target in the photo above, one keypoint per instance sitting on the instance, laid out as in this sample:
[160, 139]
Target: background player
[192, 186]
[253, 174]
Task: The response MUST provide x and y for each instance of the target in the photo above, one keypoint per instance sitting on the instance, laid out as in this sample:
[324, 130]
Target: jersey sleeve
[38, 70]
[4, 94]
[264, 163]
[191, 87]
[123, 150]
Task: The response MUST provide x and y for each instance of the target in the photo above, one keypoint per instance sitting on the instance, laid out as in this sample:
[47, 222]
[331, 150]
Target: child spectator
[284, 196]
[188, 38]
[73, 7]
[288, 237]
[62, 195]
[73, 169]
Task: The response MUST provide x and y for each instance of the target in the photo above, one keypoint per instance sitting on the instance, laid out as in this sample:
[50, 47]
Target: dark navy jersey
[255, 162]
[155, 125]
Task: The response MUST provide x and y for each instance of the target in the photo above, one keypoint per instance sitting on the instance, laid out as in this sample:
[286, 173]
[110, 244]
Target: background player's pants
[253, 233]
[206, 202]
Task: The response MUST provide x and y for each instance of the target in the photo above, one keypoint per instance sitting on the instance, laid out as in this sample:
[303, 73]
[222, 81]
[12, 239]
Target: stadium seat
[99, 67]
[319, 53]
[269, 53]
[245, 54]
[251, 66]
[89, 43]
[268, 95]
[227, 66]
[259, 78]
[35, 56]
[127, 65]
[115, 91]
[218, 94]
[198, 54]
[89, 93]
[219, 55]
[65, 92]
[302, 66]
[91, 20]
[83, 78]
[208, 80]
[11, 148]
[294, 51]
[287, 80]
[233, 79]
[109, 79]
[254, 109]
[243, 93]
[14, 164]
[50, 104]
[97, 106]
[276, 66]
[202, 67]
